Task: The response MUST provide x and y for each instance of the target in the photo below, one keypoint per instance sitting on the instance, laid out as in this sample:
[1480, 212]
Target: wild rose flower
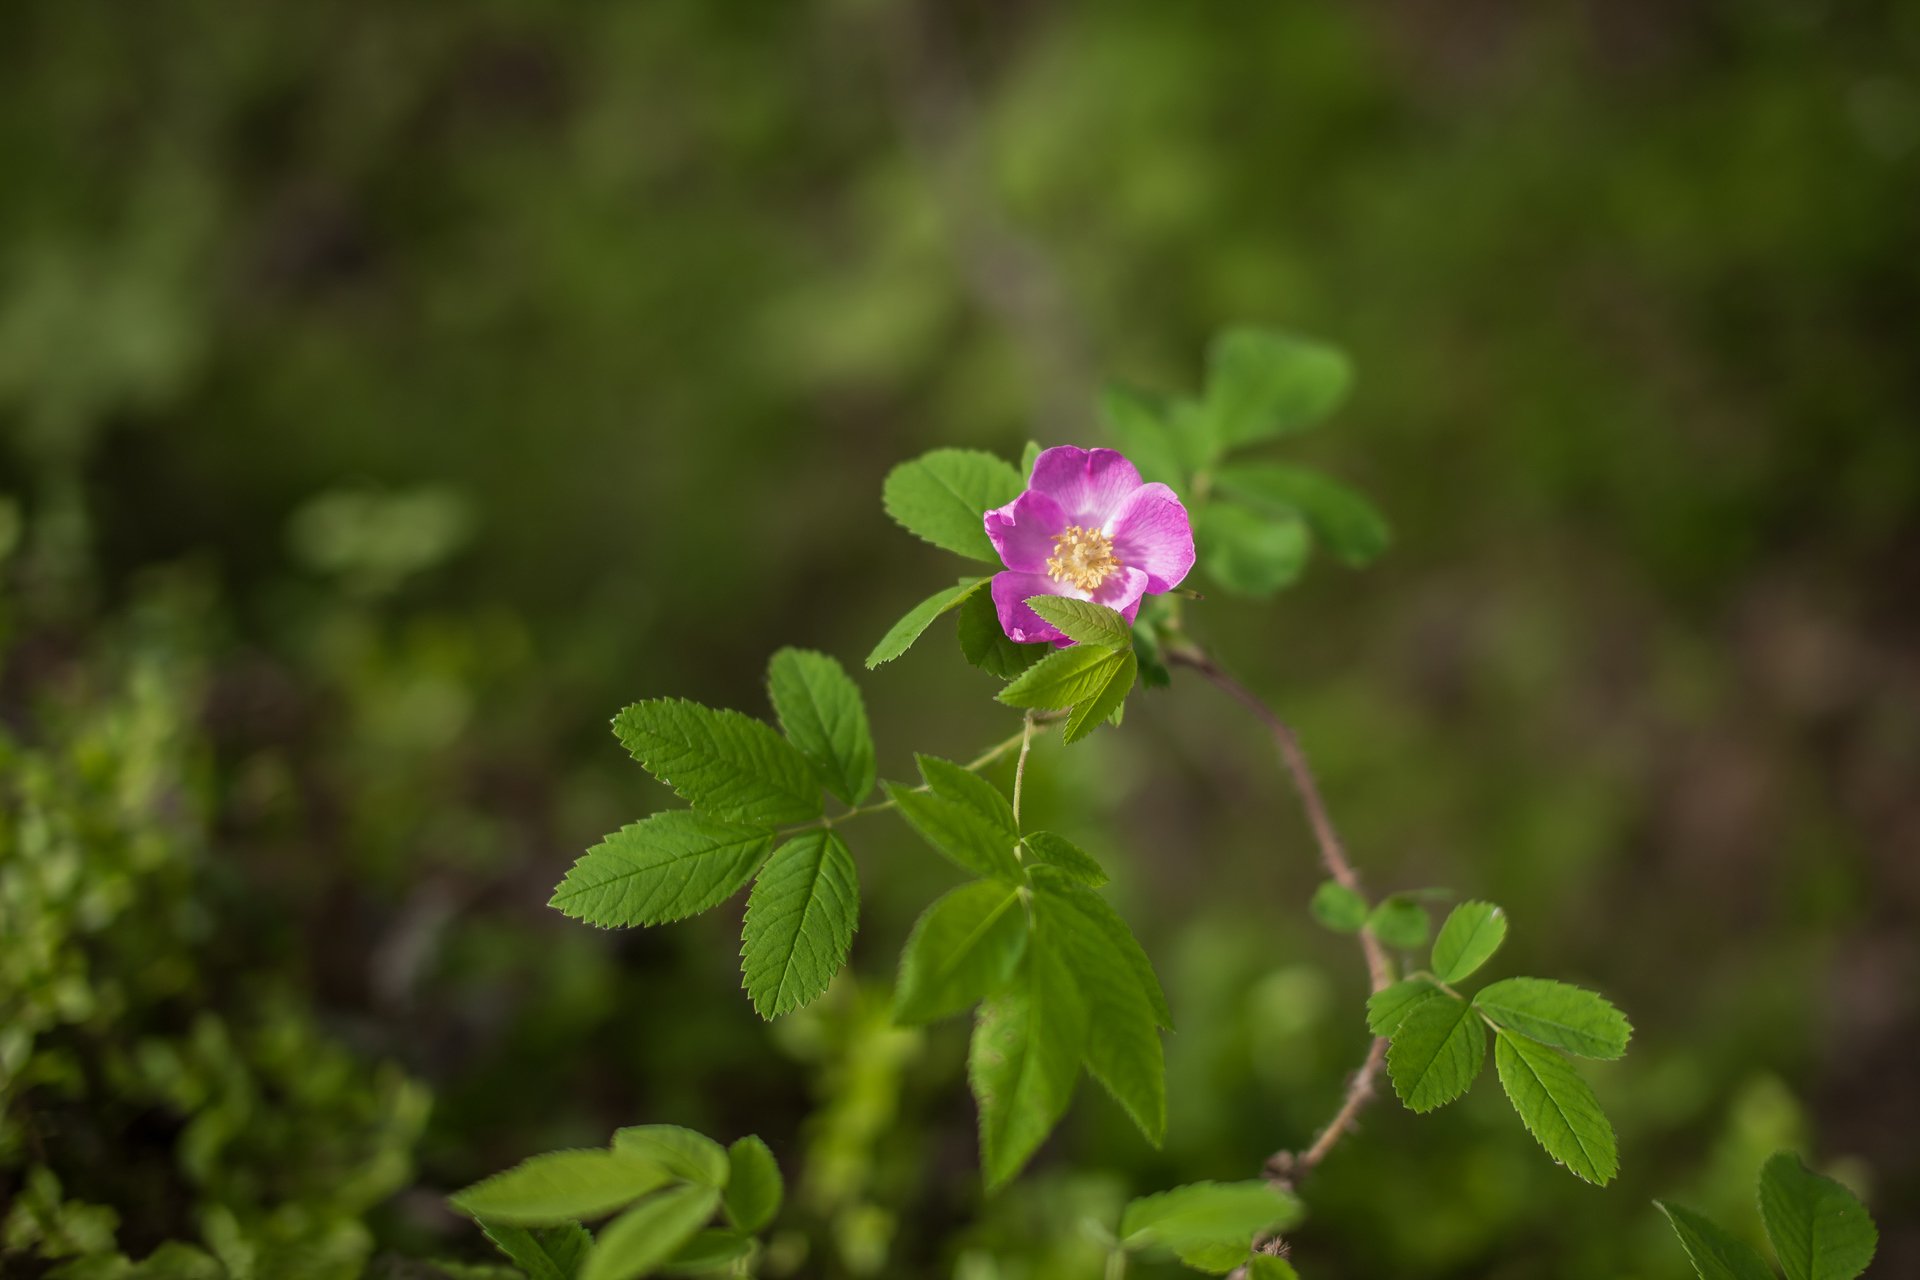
[1087, 528]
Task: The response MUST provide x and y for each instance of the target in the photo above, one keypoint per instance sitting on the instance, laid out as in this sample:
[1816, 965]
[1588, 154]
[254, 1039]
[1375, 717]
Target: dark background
[421, 383]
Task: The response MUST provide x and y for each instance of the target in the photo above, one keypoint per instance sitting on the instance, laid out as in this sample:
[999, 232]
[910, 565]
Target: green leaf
[689, 1156]
[1137, 422]
[1262, 384]
[902, 634]
[1340, 518]
[943, 497]
[1715, 1254]
[1557, 1013]
[1401, 922]
[1265, 1266]
[1121, 943]
[1029, 456]
[1389, 1007]
[1248, 552]
[707, 1252]
[819, 706]
[958, 831]
[1069, 859]
[985, 643]
[800, 922]
[638, 1241]
[552, 1189]
[1084, 621]
[1338, 907]
[544, 1253]
[1062, 678]
[1557, 1107]
[667, 867]
[1472, 933]
[754, 1186]
[1105, 702]
[963, 786]
[1437, 1050]
[1123, 1049]
[1024, 1061]
[725, 764]
[1819, 1231]
[965, 947]
[1201, 1219]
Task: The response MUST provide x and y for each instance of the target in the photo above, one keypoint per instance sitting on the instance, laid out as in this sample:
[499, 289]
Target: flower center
[1083, 557]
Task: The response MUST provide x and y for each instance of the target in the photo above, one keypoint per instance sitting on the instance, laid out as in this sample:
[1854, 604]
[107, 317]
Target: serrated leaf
[1121, 943]
[965, 947]
[1401, 922]
[1198, 1219]
[552, 1189]
[1024, 1061]
[1062, 678]
[1344, 522]
[1472, 933]
[1250, 553]
[1437, 1050]
[1557, 1107]
[963, 786]
[1559, 1014]
[800, 922]
[687, 1154]
[1104, 703]
[1267, 1267]
[820, 709]
[1338, 907]
[754, 1185]
[1715, 1254]
[1819, 1230]
[985, 643]
[544, 1253]
[902, 634]
[707, 1252]
[1123, 1049]
[1262, 384]
[972, 843]
[667, 867]
[723, 763]
[1389, 1007]
[943, 497]
[1139, 426]
[638, 1241]
[1070, 860]
[1084, 621]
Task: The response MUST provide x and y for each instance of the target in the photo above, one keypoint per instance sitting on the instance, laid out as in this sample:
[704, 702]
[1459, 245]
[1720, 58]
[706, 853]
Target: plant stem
[1287, 1168]
[1020, 767]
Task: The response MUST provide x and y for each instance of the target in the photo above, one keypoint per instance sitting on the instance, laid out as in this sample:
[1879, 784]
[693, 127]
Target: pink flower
[1087, 528]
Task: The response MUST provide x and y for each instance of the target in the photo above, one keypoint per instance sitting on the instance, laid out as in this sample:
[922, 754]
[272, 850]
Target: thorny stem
[1286, 1168]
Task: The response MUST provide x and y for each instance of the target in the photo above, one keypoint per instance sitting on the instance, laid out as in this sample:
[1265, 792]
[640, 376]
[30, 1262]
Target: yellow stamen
[1083, 557]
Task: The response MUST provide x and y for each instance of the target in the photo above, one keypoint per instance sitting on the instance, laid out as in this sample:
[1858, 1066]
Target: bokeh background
[392, 392]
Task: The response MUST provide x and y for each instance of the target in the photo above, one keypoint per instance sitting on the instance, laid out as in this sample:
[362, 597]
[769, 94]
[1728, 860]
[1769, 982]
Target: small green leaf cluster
[1060, 982]
[1212, 1227]
[667, 1184]
[1439, 1038]
[744, 783]
[1256, 520]
[1818, 1228]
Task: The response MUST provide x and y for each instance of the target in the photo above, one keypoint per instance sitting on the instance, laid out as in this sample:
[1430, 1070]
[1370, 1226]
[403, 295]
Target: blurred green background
[392, 392]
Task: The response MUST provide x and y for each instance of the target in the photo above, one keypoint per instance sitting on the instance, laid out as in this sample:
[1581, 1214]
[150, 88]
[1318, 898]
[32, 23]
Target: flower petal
[1152, 531]
[1023, 530]
[1122, 591]
[1022, 625]
[1087, 483]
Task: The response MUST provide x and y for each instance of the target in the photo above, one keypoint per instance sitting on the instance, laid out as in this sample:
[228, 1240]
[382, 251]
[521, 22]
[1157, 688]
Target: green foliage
[551, 1189]
[1343, 521]
[985, 643]
[942, 497]
[725, 764]
[964, 948]
[1207, 1225]
[1267, 1267]
[821, 713]
[1058, 854]
[1025, 1059]
[1338, 907]
[1438, 1048]
[1557, 1013]
[754, 1185]
[1715, 1254]
[1262, 384]
[902, 634]
[1818, 1229]
[1084, 621]
[960, 820]
[1557, 1107]
[1472, 933]
[1389, 1007]
[800, 921]
[1063, 678]
[1248, 552]
[647, 1235]
[544, 1253]
[1092, 677]
[687, 1155]
[1400, 922]
[663, 868]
